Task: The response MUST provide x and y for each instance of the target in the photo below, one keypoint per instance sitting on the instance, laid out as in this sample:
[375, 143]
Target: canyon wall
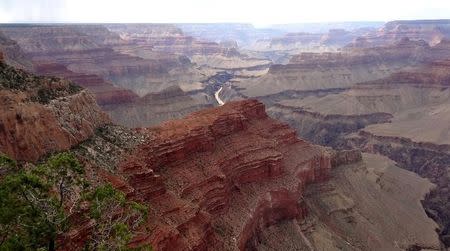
[118, 70]
[227, 177]
[43, 115]
[217, 179]
[226, 161]
[130, 68]
[212, 180]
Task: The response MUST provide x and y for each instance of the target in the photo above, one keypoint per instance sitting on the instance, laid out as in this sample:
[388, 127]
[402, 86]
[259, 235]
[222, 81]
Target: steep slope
[324, 95]
[170, 39]
[150, 40]
[40, 115]
[231, 177]
[223, 162]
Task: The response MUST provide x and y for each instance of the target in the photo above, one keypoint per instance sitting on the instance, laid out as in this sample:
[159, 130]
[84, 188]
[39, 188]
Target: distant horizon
[235, 23]
[262, 13]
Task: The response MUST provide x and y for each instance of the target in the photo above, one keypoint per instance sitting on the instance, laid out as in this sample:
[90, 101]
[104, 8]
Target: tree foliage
[36, 202]
[32, 202]
[115, 217]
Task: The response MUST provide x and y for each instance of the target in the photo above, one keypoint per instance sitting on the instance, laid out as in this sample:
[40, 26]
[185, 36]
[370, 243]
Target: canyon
[217, 178]
[244, 138]
[388, 97]
[128, 65]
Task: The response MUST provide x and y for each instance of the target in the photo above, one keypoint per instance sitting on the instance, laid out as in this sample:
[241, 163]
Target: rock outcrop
[208, 169]
[214, 179]
[40, 115]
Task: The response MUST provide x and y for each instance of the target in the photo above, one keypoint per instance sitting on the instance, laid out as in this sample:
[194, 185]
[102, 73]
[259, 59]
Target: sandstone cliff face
[403, 115]
[324, 95]
[122, 70]
[329, 41]
[214, 165]
[430, 74]
[214, 179]
[43, 115]
[78, 53]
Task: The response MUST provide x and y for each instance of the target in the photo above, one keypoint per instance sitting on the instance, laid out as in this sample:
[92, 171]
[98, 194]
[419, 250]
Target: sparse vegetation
[115, 217]
[41, 89]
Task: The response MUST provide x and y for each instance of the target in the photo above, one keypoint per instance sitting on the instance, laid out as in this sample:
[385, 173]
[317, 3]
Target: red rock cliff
[40, 115]
[218, 177]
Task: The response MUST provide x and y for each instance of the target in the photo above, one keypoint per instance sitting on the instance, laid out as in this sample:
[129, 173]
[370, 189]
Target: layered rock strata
[208, 169]
[118, 70]
[214, 179]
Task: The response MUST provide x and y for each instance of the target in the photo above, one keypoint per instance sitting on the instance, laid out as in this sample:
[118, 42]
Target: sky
[258, 12]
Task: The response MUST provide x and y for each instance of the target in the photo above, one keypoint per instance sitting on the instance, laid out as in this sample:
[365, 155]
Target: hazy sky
[258, 12]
